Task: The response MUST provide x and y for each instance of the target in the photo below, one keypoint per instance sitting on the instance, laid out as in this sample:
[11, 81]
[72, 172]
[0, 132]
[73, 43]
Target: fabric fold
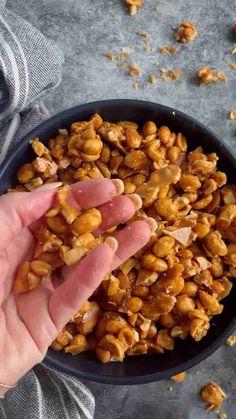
[30, 67]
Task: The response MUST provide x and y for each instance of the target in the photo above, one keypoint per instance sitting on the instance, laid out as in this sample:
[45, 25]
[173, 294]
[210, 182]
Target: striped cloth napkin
[30, 66]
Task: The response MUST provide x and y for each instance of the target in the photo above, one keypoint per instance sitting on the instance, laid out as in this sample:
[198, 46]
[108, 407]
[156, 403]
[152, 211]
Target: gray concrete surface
[85, 30]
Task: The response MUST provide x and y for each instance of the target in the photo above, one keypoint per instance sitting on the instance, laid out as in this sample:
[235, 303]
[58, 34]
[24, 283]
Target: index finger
[95, 192]
[89, 194]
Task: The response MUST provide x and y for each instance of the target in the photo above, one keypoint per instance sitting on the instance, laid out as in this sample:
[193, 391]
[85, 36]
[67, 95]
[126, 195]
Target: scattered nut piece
[133, 70]
[146, 37]
[135, 84]
[233, 52]
[110, 56]
[124, 53]
[207, 76]
[222, 416]
[179, 377]
[231, 341]
[175, 74]
[164, 75]
[133, 6]
[152, 79]
[120, 58]
[186, 32]
[233, 66]
[232, 115]
[170, 74]
[166, 50]
[213, 394]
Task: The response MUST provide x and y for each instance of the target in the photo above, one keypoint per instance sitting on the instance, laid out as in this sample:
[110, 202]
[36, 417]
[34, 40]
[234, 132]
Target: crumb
[134, 70]
[145, 35]
[110, 56]
[170, 50]
[207, 75]
[170, 388]
[173, 74]
[213, 394]
[121, 64]
[147, 49]
[233, 52]
[120, 58]
[233, 66]
[135, 84]
[179, 377]
[157, 8]
[186, 32]
[222, 416]
[163, 72]
[124, 53]
[152, 79]
[232, 339]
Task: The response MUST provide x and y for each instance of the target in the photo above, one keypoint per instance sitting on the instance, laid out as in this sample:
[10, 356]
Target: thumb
[19, 209]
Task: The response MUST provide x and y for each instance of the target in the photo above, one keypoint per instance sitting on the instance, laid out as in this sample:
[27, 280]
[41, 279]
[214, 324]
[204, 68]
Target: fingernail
[119, 185]
[112, 242]
[48, 187]
[136, 199]
[152, 223]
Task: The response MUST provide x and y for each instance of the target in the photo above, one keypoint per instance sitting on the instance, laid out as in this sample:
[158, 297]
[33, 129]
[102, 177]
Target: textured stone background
[85, 30]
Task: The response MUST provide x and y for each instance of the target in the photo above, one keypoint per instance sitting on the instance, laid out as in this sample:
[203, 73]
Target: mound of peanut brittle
[174, 286]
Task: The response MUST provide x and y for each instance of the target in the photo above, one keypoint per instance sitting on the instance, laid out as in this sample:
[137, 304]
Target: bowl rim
[146, 378]
[152, 377]
[49, 122]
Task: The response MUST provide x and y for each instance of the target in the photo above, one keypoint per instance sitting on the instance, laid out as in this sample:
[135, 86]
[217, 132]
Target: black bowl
[140, 369]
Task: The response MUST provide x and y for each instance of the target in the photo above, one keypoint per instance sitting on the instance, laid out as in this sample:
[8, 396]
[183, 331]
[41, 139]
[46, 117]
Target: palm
[30, 321]
[26, 329]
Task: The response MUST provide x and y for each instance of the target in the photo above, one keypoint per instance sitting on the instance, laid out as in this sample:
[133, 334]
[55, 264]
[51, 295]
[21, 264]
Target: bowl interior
[187, 353]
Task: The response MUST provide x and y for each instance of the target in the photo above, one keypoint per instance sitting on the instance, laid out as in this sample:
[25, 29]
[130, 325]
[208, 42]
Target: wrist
[3, 391]
[4, 388]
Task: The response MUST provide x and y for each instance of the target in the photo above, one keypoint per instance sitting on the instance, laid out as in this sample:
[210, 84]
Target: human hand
[29, 322]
